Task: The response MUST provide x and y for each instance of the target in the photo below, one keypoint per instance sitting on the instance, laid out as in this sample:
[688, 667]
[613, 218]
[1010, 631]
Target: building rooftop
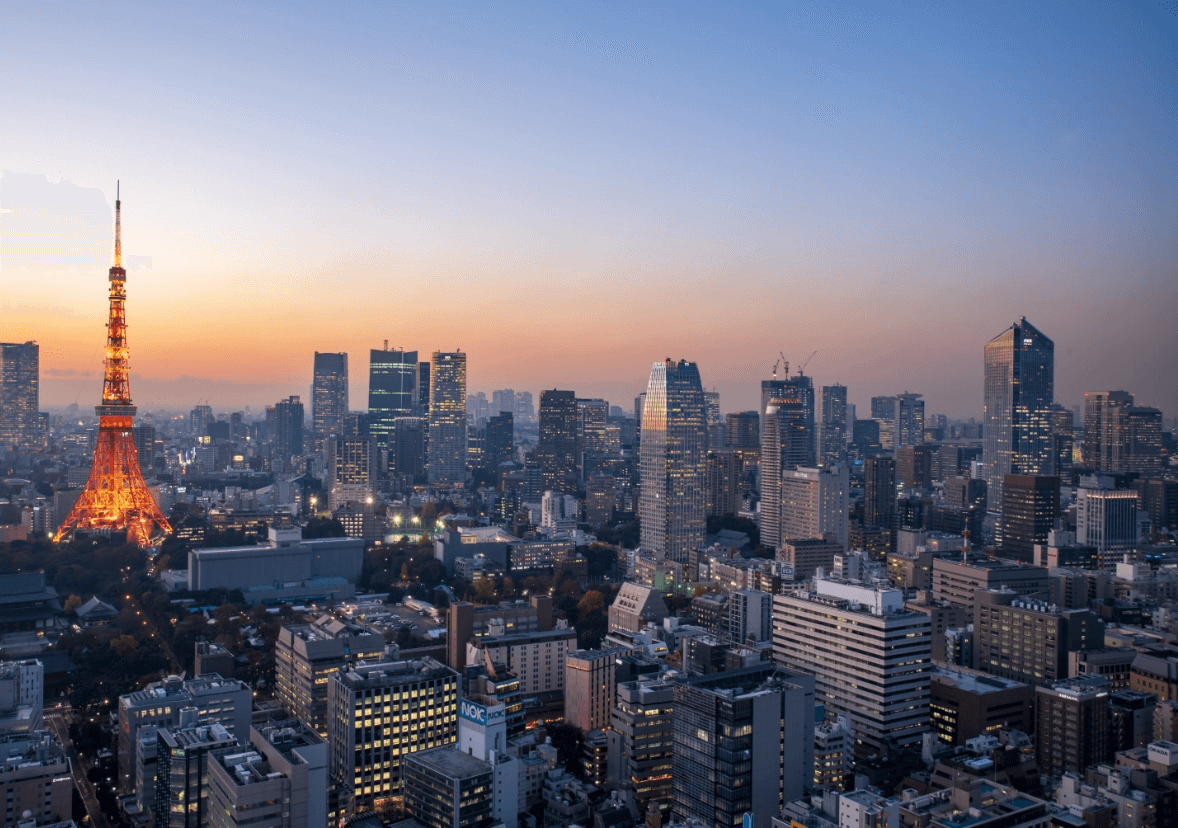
[974, 682]
[451, 762]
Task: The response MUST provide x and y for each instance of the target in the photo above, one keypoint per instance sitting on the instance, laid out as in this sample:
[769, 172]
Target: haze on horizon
[570, 193]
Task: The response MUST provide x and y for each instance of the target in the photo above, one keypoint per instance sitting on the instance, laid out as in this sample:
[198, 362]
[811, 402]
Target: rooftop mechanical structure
[116, 497]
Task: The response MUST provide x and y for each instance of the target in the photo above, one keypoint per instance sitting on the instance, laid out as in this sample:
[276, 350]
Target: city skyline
[906, 200]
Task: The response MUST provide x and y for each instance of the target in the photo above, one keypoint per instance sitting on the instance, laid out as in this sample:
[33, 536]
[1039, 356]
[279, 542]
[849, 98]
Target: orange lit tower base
[116, 497]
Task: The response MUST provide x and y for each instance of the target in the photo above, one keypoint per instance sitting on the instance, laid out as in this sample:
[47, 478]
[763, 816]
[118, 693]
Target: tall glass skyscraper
[832, 433]
[392, 391]
[447, 419]
[1019, 392]
[673, 454]
[329, 396]
[19, 393]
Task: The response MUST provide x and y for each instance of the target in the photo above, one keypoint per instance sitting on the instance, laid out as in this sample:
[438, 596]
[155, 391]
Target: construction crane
[802, 367]
[775, 367]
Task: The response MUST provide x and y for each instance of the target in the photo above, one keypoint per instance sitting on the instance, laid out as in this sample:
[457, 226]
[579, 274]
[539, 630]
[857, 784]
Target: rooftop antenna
[118, 227]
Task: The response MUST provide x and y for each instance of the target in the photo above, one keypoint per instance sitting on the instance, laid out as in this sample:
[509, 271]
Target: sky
[570, 192]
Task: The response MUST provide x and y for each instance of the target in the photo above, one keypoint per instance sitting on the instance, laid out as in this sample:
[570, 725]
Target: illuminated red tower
[115, 496]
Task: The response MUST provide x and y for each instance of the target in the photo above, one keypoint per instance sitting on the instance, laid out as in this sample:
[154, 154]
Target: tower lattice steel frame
[116, 496]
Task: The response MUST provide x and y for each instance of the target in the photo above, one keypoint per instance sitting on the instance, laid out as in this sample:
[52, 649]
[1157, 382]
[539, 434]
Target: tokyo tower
[115, 497]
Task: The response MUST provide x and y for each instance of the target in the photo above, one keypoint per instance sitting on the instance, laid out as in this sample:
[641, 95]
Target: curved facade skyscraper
[672, 503]
[1019, 392]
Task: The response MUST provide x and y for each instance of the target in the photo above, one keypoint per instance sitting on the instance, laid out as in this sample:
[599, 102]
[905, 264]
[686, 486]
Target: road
[132, 602]
[85, 787]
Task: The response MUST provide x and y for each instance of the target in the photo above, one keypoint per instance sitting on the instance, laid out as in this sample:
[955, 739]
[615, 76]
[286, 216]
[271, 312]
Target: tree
[124, 645]
[592, 604]
[72, 603]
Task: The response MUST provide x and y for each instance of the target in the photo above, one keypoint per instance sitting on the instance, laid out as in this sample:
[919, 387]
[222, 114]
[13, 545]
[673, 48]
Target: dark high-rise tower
[329, 396]
[392, 390]
[556, 450]
[19, 401]
[879, 492]
[115, 496]
[672, 503]
[500, 443]
[1030, 506]
[284, 426]
[1019, 392]
[447, 419]
[832, 434]
[787, 442]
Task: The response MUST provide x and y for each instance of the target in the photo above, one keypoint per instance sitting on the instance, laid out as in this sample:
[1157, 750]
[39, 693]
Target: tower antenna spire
[118, 227]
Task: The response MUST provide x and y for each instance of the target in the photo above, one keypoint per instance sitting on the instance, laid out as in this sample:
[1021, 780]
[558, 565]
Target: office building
[181, 772]
[834, 753]
[22, 696]
[1071, 725]
[307, 655]
[743, 744]
[35, 777]
[725, 481]
[832, 428]
[1120, 436]
[801, 389]
[380, 712]
[879, 492]
[266, 571]
[1030, 508]
[914, 466]
[634, 607]
[1027, 640]
[329, 396]
[808, 555]
[750, 616]
[464, 621]
[393, 390]
[284, 428]
[814, 504]
[446, 788]
[671, 507]
[592, 417]
[965, 704]
[144, 436]
[217, 701]
[278, 780]
[589, 687]
[1019, 391]
[742, 429]
[20, 374]
[601, 496]
[957, 580]
[446, 451]
[640, 742]
[556, 448]
[1106, 518]
[406, 451]
[900, 418]
[500, 440]
[536, 658]
[351, 470]
[1063, 436]
[871, 658]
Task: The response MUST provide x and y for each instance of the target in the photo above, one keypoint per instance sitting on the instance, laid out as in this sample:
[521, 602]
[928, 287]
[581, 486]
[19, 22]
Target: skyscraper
[19, 378]
[743, 744]
[392, 390]
[284, 426]
[673, 461]
[556, 450]
[787, 442]
[832, 431]
[879, 492]
[1019, 392]
[1030, 507]
[1120, 436]
[351, 470]
[592, 415]
[800, 388]
[715, 421]
[447, 419]
[500, 443]
[329, 396]
[814, 504]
